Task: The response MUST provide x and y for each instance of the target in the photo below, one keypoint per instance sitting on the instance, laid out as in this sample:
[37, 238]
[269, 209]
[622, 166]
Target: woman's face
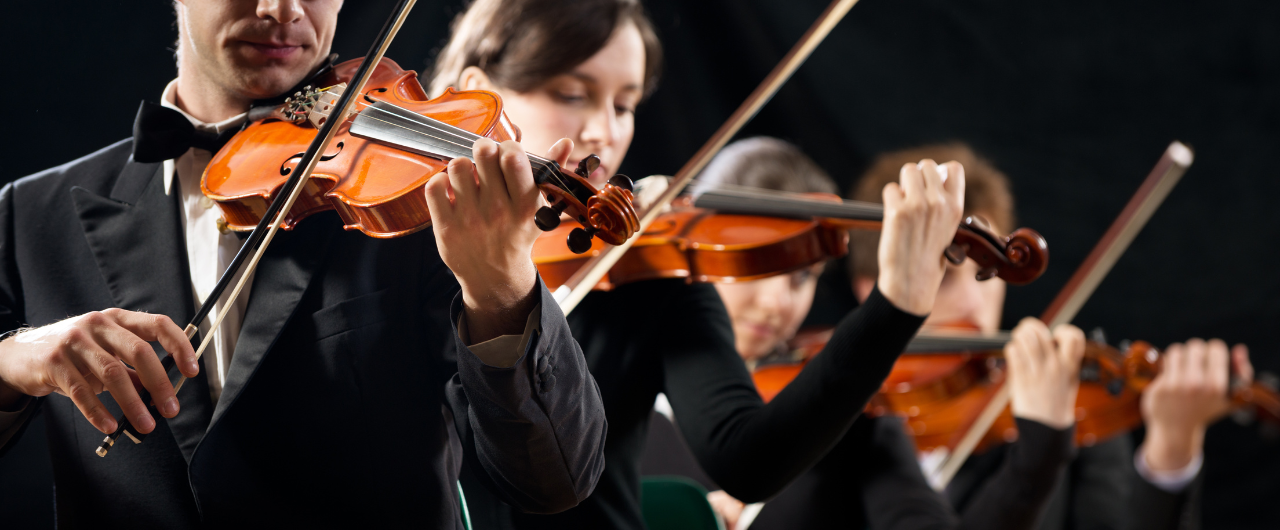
[766, 313]
[593, 105]
[963, 301]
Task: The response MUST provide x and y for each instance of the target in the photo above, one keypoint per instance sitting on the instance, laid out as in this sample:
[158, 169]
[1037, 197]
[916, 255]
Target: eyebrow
[591, 79]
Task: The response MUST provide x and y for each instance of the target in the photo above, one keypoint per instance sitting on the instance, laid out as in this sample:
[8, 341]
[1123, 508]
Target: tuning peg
[622, 181]
[587, 165]
[548, 217]
[580, 240]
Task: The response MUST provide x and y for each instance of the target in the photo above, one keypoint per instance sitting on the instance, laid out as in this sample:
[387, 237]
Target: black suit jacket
[349, 397]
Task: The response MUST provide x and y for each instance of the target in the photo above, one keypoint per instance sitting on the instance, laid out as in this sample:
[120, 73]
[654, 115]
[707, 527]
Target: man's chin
[269, 80]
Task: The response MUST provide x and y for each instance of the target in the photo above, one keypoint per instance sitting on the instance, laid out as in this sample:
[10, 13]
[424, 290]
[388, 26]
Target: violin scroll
[1018, 258]
[607, 213]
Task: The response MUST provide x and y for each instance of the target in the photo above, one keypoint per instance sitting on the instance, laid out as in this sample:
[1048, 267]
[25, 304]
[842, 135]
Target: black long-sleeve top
[872, 479]
[669, 336]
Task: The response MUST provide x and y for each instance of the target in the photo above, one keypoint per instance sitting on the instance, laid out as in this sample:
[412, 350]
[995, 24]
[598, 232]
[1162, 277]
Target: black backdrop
[1074, 100]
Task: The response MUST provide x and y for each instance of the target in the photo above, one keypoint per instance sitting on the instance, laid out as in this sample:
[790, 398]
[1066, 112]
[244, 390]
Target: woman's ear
[473, 78]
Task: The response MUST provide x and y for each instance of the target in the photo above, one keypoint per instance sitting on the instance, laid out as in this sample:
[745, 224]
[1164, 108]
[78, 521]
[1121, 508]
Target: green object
[462, 502]
[676, 503]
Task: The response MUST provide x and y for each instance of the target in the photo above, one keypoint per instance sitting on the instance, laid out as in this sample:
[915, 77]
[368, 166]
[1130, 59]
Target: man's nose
[281, 11]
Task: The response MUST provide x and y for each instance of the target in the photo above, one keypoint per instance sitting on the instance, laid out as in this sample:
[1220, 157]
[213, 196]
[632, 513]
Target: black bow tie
[161, 133]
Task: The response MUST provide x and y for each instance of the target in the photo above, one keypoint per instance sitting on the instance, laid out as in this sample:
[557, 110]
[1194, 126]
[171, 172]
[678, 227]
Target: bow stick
[1163, 177]
[581, 283]
[258, 240]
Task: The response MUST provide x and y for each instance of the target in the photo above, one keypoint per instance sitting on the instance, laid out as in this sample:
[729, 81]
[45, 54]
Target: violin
[369, 158]
[383, 154]
[743, 234]
[942, 383]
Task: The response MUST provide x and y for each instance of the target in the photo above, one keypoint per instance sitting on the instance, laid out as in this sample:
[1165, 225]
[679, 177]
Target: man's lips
[274, 51]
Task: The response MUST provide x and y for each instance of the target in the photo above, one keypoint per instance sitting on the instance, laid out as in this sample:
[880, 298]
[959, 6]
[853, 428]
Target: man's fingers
[462, 182]
[1240, 362]
[114, 376]
[74, 386]
[162, 329]
[1172, 363]
[1217, 366]
[931, 178]
[138, 353]
[1071, 343]
[912, 182]
[437, 191]
[892, 196]
[953, 187]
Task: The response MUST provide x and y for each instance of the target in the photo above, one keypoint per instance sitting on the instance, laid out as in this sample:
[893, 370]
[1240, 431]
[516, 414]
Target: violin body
[375, 188]
[940, 395]
[700, 245]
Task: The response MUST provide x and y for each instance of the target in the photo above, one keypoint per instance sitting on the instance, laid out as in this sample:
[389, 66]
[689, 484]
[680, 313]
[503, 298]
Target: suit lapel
[278, 285]
[136, 238]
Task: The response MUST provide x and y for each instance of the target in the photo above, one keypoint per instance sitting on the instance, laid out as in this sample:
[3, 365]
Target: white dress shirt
[209, 252]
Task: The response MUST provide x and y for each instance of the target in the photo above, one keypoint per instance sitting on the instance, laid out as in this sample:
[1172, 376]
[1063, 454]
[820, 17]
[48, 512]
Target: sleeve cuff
[1042, 447]
[503, 351]
[11, 422]
[1170, 481]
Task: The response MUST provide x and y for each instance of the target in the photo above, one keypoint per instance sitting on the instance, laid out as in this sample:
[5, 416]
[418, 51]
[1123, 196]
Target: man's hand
[921, 215]
[482, 215]
[1044, 372]
[1190, 393]
[81, 356]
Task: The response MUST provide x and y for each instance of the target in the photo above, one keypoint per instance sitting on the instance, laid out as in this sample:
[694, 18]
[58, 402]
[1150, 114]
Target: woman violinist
[1102, 489]
[577, 69]
[872, 478]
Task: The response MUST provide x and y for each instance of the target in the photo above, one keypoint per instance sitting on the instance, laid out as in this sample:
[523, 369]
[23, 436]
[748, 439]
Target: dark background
[1075, 101]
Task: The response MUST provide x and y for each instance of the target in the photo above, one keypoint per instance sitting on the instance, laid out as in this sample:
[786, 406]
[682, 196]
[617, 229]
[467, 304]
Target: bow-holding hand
[482, 214]
[81, 356]
[921, 214]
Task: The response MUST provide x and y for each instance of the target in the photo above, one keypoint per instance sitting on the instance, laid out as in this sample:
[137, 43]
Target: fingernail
[170, 407]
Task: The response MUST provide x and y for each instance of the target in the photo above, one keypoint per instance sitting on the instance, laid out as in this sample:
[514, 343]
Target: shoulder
[95, 171]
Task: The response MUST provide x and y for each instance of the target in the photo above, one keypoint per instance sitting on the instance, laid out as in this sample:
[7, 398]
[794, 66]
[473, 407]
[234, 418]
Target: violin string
[469, 138]
[465, 136]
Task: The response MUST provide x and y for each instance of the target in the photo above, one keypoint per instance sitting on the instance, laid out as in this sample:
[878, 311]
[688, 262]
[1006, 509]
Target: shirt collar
[170, 99]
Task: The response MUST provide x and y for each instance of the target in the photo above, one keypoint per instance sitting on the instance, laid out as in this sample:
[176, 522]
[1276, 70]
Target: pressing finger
[931, 177]
[1070, 341]
[1240, 362]
[517, 173]
[1218, 365]
[953, 187]
[493, 185]
[438, 203]
[462, 182]
[912, 182]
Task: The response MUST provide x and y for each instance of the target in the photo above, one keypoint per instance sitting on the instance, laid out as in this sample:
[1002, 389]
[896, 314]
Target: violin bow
[578, 285]
[1163, 177]
[258, 241]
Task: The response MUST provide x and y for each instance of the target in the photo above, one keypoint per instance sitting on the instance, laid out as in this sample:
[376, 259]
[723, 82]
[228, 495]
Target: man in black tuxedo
[352, 383]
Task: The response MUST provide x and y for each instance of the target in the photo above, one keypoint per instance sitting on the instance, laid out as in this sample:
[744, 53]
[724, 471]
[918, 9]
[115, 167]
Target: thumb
[560, 151]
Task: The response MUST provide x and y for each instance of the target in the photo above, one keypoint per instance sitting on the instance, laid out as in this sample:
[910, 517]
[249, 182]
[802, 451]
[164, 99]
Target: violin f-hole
[323, 158]
[371, 100]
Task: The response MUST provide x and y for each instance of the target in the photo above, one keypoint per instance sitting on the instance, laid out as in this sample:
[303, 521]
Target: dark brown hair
[769, 163]
[521, 44]
[986, 193]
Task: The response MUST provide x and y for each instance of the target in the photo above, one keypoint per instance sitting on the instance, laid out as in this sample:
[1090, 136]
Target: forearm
[1014, 497]
[791, 433]
[538, 426]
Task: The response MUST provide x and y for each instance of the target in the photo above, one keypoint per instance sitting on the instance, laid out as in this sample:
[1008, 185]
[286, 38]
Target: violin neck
[946, 343]
[749, 201]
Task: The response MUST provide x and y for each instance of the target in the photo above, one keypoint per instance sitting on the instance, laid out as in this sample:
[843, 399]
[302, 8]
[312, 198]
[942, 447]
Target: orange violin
[735, 235]
[943, 382]
[382, 156]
